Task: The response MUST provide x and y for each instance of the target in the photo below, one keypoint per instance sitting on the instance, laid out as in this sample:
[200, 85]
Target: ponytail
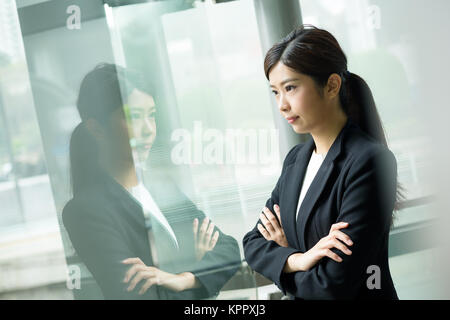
[85, 169]
[359, 105]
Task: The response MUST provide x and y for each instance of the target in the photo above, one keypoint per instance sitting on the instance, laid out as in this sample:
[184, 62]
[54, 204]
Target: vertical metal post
[275, 19]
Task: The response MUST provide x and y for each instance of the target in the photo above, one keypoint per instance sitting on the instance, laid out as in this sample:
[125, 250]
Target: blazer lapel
[313, 193]
[317, 185]
[295, 173]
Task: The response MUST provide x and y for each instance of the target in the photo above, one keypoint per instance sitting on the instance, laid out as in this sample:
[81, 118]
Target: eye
[274, 92]
[289, 88]
[152, 114]
[135, 116]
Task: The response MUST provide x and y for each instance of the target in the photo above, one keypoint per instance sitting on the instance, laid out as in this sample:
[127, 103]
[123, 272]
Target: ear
[333, 86]
[96, 129]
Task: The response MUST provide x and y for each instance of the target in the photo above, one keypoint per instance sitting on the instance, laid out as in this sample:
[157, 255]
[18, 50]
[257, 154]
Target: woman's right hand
[307, 260]
[203, 237]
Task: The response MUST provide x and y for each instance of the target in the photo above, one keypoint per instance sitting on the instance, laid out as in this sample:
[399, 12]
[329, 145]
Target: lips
[144, 146]
[292, 119]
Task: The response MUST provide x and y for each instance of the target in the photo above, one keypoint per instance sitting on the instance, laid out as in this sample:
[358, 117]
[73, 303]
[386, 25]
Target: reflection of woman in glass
[112, 215]
[324, 231]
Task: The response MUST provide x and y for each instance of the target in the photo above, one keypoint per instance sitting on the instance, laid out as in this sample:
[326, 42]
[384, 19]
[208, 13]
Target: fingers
[195, 228]
[132, 261]
[338, 226]
[203, 228]
[267, 224]
[264, 232]
[339, 245]
[278, 213]
[206, 232]
[148, 284]
[343, 237]
[141, 275]
[132, 271]
[332, 255]
[270, 216]
[214, 239]
[209, 233]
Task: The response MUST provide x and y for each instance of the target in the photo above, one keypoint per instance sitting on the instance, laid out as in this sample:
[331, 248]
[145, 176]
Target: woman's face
[140, 112]
[297, 98]
[132, 129]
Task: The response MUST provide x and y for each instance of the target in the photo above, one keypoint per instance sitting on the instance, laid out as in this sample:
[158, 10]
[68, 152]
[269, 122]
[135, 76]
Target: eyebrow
[285, 81]
[152, 108]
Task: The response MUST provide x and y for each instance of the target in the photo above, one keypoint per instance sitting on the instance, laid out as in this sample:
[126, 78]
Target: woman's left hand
[153, 275]
[203, 237]
[272, 230]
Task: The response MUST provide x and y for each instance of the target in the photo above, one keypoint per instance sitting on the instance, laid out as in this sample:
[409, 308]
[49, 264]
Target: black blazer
[356, 183]
[106, 225]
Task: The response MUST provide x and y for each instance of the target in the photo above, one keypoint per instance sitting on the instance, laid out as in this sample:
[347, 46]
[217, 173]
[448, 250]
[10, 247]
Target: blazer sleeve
[99, 244]
[218, 265]
[267, 257]
[367, 205]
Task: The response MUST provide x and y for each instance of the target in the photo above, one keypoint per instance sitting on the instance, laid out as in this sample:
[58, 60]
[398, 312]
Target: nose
[283, 105]
[147, 128]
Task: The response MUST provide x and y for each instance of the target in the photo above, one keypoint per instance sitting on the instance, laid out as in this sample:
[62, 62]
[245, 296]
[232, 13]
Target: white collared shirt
[150, 207]
[313, 166]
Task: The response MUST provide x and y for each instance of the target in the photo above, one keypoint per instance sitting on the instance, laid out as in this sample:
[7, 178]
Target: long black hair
[315, 52]
[101, 93]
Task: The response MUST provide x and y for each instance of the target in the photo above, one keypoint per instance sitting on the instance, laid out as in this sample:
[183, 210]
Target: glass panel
[168, 92]
[56, 61]
[215, 154]
[31, 252]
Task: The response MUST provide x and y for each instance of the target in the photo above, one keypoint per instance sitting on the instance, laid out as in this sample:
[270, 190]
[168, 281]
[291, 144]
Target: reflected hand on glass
[272, 230]
[203, 237]
[139, 272]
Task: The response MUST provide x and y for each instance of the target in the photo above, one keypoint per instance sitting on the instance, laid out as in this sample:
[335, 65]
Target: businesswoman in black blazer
[324, 231]
[108, 224]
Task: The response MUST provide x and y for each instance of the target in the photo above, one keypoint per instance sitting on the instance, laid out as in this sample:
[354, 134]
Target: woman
[325, 227]
[113, 216]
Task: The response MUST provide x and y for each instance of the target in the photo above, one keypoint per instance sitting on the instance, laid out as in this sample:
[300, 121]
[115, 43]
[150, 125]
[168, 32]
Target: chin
[300, 130]
[143, 156]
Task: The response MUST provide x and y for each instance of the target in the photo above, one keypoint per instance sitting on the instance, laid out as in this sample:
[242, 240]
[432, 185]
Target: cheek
[153, 127]
[299, 102]
[306, 102]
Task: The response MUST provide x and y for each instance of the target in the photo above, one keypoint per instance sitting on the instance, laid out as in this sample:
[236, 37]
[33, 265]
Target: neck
[325, 135]
[124, 172]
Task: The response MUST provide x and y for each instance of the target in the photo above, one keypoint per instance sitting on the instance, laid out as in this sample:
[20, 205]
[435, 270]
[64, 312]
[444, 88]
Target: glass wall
[185, 80]
[31, 254]
[208, 155]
